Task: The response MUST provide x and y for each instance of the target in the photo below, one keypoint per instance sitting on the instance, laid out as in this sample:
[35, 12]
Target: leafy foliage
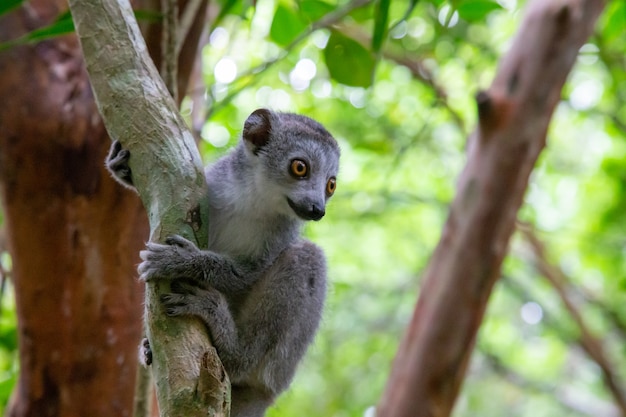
[402, 123]
[9, 5]
[380, 24]
[403, 131]
[476, 10]
[348, 62]
[61, 26]
[286, 26]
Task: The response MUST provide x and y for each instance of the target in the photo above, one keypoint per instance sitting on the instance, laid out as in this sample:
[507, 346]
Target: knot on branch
[492, 113]
[212, 381]
[562, 17]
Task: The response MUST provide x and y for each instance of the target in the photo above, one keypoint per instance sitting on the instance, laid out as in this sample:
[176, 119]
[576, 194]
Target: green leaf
[150, 16]
[313, 10]
[227, 7]
[613, 21]
[8, 5]
[61, 26]
[286, 25]
[409, 10]
[348, 61]
[476, 10]
[7, 385]
[381, 15]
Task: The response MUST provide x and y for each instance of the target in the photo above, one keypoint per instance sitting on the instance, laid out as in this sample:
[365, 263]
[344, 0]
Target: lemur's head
[295, 162]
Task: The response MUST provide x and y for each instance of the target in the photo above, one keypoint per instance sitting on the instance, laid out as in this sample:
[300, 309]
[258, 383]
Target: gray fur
[260, 287]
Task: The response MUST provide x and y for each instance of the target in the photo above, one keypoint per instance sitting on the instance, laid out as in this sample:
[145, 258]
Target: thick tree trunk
[513, 119]
[74, 234]
[139, 111]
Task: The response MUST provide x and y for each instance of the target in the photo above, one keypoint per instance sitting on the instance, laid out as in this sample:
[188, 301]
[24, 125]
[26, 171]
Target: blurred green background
[394, 82]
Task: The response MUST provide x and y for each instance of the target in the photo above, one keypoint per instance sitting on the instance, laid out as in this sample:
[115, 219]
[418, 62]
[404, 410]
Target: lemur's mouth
[308, 211]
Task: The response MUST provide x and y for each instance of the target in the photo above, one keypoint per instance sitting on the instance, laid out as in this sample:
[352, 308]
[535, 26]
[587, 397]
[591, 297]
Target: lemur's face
[313, 183]
[298, 166]
[302, 179]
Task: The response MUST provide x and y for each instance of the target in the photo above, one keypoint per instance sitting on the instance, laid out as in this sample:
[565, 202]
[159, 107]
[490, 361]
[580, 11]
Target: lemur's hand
[117, 164]
[179, 258]
[191, 300]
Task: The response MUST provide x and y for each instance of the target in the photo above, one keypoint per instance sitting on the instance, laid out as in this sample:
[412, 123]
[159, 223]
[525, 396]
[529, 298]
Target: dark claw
[117, 163]
[176, 240]
[145, 352]
[180, 287]
[170, 240]
[176, 287]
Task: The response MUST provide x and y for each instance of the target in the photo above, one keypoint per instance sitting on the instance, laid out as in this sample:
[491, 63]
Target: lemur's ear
[257, 129]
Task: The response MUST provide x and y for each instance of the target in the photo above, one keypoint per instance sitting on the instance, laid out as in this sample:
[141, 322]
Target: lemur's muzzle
[309, 211]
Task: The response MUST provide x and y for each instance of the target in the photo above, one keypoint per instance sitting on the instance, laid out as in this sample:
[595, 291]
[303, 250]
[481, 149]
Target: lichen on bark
[167, 172]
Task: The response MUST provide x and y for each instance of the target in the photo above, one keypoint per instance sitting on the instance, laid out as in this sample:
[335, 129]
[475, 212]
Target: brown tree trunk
[514, 115]
[73, 233]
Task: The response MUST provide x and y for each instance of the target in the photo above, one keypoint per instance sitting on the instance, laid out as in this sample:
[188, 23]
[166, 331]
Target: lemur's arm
[180, 258]
[276, 322]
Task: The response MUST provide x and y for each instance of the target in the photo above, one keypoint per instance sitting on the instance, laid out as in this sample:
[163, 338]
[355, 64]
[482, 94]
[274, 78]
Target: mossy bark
[138, 111]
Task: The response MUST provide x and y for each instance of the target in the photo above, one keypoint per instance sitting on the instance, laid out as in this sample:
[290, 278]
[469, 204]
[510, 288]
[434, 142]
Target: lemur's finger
[180, 241]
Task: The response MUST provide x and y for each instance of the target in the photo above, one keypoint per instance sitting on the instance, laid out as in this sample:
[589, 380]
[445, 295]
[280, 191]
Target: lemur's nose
[316, 213]
[307, 210]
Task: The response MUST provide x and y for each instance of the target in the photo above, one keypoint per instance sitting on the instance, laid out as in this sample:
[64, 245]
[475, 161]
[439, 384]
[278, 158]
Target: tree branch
[248, 78]
[571, 399]
[170, 46]
[415, 65]
[138, 110]
[590, 343]
[513, 119]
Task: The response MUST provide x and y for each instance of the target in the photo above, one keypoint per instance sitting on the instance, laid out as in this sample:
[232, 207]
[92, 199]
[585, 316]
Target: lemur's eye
[299, 168]
[331, 185]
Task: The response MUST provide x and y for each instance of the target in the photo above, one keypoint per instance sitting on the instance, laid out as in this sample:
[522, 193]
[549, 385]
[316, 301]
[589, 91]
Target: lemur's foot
[145, 352]
[117, 163]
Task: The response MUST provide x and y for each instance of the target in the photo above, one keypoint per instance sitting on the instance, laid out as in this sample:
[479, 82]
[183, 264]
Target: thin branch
[251, 76]
[405, 16]
[590, 343]
[170, 46]
[192, 8]
[415, 65]
[587, 405]
[610, 313]
[568, 336]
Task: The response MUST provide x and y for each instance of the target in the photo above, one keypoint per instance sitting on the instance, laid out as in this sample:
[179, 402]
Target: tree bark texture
[514, 115]
[167, 171]
[73, 233]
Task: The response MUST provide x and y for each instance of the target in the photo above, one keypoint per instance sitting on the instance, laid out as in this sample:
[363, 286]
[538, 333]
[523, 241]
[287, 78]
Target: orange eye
[331, 185]
[299, 168]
